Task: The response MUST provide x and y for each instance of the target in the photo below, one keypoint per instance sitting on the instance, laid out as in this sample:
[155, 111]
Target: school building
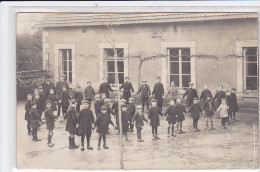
[212, 48]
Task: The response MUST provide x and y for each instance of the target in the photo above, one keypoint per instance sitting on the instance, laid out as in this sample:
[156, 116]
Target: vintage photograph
[137, 90]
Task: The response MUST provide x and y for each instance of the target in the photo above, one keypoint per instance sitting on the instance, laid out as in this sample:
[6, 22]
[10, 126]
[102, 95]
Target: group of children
[81, 121]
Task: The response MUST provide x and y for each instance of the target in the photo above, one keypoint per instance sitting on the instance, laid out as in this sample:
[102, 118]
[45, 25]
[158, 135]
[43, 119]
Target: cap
[103, 108]
[154, 100]
[97, 96]
[123, 100]
[85, 102]
[139, 106]
[73, 102]
[208, 95]
[131, 98]
[107, 100]
[195, 98]
[48, 102]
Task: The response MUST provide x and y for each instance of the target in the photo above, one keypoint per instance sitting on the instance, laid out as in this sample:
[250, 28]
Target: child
[153, 115]
[86, 119]
[28, 107]
[42, 101]
[78, 97]
[195, 111]
[180, 115]
[233, 104]
[145, 94]
[38, 106]
[173, 91]
[223, 113]
[34, 116]
[49, 117]
[89, 93]
[131, 110]
[98, 104]
[103, 97]
[125, 119]
[35, 92]
[228, 101]
[219, 95]
[208, 110]
[64, 100]
[102, 122]
[115, 110]
[191, 93]
[109, 111]
[158, 92]
[139, 122]
[71, 117]
[171, 117]
[127, 88]
[205, 93]
[52, 97]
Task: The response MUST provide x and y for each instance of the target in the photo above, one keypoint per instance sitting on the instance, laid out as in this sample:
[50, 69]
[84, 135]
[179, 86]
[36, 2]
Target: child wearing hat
[125, 118]
[64, 100]
[86, 120]
[171, 117]
[98, 104]
[145, 94]
[180, 115]
[89, 93]
[195, 111]
[78, 97]
[53, 98]
[34, 117]
[191, 93]
[28, 106]
[49, 117]
[102, 122]
[139, 122]
[208, 110]
[131, 110]
[233, 104]
[153, 115]
[223, 112]
[72, 121]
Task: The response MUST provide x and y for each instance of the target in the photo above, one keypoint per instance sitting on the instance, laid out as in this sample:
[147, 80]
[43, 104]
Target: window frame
[69, 62]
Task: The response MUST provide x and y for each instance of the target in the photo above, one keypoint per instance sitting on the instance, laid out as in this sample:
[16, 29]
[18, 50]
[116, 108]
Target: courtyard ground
[234, 148]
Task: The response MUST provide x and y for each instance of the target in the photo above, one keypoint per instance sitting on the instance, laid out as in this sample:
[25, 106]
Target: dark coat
[41, 104]
[139, 120]
[105, 88]
[65, 98]
[171, 114]
[131, 110]
[102, 122]
[115, 108]
[204, 94]
[195, 111]
[97, 106]
[109, 111]
[89, 93]
[34, 116]
[233, 107]
[158, 92]
[153, 115]
[127, 86]
[47, 87]
[72, 120]
[191, 93]
[78, 97]
[144, 90]
[86, 119]
[219, 95]
[53, 99]
[206, 107]
[49, 117]
[27, 108]
[125, 119]
[180, 112]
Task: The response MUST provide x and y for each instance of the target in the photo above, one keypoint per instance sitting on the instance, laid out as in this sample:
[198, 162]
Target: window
[251, 67]
[109, 57]
[67, 64]
[179, 63]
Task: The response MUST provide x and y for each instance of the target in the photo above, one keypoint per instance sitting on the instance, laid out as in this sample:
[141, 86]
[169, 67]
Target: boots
[173, 135]
[168, 132]
[104, 140]
[35, 138]
[156, 136]
[50, 144]
[72, 143]
[212, 125]
[88, 144]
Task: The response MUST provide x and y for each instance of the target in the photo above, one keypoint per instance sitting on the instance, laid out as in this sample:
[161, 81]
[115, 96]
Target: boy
[158, 92]
[233, 104]
[71, 117]
[102, 122]
[205, 93]
[228, 102]
[89, 93]
[131, 110]
[64, 100]
[58, 90]
[78, 97]
[173, 91]
[139, 122]
[171, 117]
[28, 106]
[105, 87]
[180, 115]
[114, 109]
[53, 99]
[86, 120]
[208, 110]
[219, 95]
[145, 94]
[98, 104]
[47, 85]
[35, 92]
[34, 116]
[109, 111]
[38, 106]
[125, 119]
[49, 117]
[153, 115]
[223, 112]
[127, 87]
[195, 111]
[42, 101]
[191, 93]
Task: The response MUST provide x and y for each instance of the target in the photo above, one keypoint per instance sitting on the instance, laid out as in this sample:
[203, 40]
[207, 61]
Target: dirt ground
[234, 148]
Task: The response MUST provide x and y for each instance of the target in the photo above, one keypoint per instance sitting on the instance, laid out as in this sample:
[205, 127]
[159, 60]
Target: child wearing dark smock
[171, 117]
[153, 115]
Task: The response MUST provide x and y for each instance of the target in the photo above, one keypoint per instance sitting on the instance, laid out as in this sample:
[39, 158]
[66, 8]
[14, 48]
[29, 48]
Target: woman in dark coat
[86, 119]
[153, 115]
[158, 92]
[72, 121]
[233, 107]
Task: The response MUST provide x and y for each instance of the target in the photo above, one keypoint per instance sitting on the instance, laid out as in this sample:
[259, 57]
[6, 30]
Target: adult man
[158, 92]
[127, 86]
[191, 93]
[59, 86]
[105, 87]
[145, 93]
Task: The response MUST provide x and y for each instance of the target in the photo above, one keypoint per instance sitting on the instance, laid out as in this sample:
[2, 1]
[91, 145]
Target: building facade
[204, 48]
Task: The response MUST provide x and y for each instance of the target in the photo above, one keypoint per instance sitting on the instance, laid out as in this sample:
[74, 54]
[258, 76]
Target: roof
[98, 19]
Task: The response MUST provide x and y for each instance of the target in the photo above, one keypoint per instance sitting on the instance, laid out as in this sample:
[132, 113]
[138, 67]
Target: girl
[153, 115]
[223, 113]
[180, 115]
[171, 117]
[233, 104]
[139, 122]
[208, 110]
[195, 111]
[125, 119]
[49, 117]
